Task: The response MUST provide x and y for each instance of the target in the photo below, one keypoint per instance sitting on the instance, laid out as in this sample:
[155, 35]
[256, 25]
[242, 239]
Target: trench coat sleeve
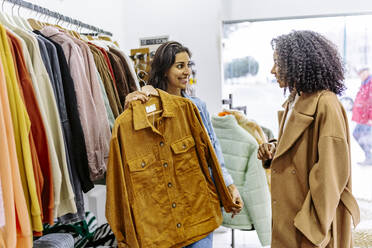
[327, 178]
[118, 211]
[207, 157]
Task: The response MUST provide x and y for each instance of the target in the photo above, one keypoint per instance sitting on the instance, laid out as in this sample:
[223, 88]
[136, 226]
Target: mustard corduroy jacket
[159, 189]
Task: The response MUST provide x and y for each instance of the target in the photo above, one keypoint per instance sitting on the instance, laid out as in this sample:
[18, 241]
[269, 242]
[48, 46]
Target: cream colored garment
[255, 130]
[64, 196]
[251, 126]
[56, 171]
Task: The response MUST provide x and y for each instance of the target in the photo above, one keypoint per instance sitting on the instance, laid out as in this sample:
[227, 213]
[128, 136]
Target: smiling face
[178, 74]
[275, 72]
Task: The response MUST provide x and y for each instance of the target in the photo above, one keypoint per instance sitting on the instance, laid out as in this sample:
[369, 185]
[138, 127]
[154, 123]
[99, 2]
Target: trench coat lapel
[300, 119]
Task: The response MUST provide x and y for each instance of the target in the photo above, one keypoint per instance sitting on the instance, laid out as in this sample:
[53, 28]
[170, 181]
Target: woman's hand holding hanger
[142, 95]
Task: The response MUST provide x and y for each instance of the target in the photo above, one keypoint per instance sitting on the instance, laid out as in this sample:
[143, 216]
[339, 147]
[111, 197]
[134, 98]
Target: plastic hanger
[20, 22]
[6, 17]
[26, 25]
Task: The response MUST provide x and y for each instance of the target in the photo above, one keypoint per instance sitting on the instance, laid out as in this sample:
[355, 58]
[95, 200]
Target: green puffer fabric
[239, 149]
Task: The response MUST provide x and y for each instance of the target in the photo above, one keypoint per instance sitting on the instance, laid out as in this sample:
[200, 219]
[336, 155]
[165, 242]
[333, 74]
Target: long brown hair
[164, 58]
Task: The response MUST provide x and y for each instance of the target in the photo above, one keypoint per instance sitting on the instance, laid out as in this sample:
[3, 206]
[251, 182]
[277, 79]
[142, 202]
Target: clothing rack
[56, 15]
[230, 103]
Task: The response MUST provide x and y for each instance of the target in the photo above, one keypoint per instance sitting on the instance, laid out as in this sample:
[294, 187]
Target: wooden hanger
[34, 24]
[104, 38]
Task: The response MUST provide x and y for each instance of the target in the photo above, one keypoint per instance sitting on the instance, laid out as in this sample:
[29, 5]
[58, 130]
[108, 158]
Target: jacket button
[293, 171]
[143, 164]
[165, 165]
[169, 185]
[161, 143]
[274, 170]
[184, 146]
[173, 205]
[179, 225]
[274, 201]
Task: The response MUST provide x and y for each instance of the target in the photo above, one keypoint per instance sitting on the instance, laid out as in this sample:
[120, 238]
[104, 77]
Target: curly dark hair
[164, 58]
[308, 62]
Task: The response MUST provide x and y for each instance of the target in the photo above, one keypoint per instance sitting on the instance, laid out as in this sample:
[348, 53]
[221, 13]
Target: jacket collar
[140, 120]
[302, 116]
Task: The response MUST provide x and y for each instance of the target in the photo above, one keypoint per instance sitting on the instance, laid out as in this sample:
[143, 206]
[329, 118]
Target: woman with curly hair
[312, 203]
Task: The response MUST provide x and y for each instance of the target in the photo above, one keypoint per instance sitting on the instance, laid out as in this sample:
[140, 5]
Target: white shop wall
[195, 23]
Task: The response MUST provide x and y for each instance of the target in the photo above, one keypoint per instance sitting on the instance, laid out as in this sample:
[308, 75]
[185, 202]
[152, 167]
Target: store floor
[243, 239]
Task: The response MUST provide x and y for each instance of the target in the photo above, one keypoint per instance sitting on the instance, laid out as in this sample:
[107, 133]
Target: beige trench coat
[312, 204]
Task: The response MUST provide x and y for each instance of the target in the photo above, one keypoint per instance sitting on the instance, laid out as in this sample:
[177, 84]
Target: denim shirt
[208, 126]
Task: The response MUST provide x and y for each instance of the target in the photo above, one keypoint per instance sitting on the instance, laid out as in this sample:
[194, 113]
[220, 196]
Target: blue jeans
[363, 135]
[207, 242]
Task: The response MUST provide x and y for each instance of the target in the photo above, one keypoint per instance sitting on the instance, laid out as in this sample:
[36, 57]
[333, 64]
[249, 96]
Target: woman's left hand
[236, 199]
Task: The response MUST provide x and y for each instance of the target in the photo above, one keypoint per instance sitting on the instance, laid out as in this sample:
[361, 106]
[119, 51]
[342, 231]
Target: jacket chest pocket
[185, 157]
[144, 172]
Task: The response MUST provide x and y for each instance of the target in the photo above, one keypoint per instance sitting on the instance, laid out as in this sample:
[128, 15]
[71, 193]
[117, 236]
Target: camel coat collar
[300, 119]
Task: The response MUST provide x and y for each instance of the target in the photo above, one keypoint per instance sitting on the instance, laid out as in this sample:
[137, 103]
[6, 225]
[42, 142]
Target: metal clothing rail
[57, 15]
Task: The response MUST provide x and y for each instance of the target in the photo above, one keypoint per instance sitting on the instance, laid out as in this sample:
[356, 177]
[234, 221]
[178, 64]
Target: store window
[247, 61]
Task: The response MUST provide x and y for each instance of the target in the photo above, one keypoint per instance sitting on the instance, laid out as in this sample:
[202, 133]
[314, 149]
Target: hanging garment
[109, 112]
[121, 81]
[64, 195]
[21, 127]
[107, 79]
[2, 211]
[163, 163]
[86, 107]
[29, 99]
[239, 149]
[91, 71]
[253, 129]
[130, 74]
[14, 198]
[108, 63]
[251, 126]
[78, 144]
[2, 215]
[49, 54]
[42, 101]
